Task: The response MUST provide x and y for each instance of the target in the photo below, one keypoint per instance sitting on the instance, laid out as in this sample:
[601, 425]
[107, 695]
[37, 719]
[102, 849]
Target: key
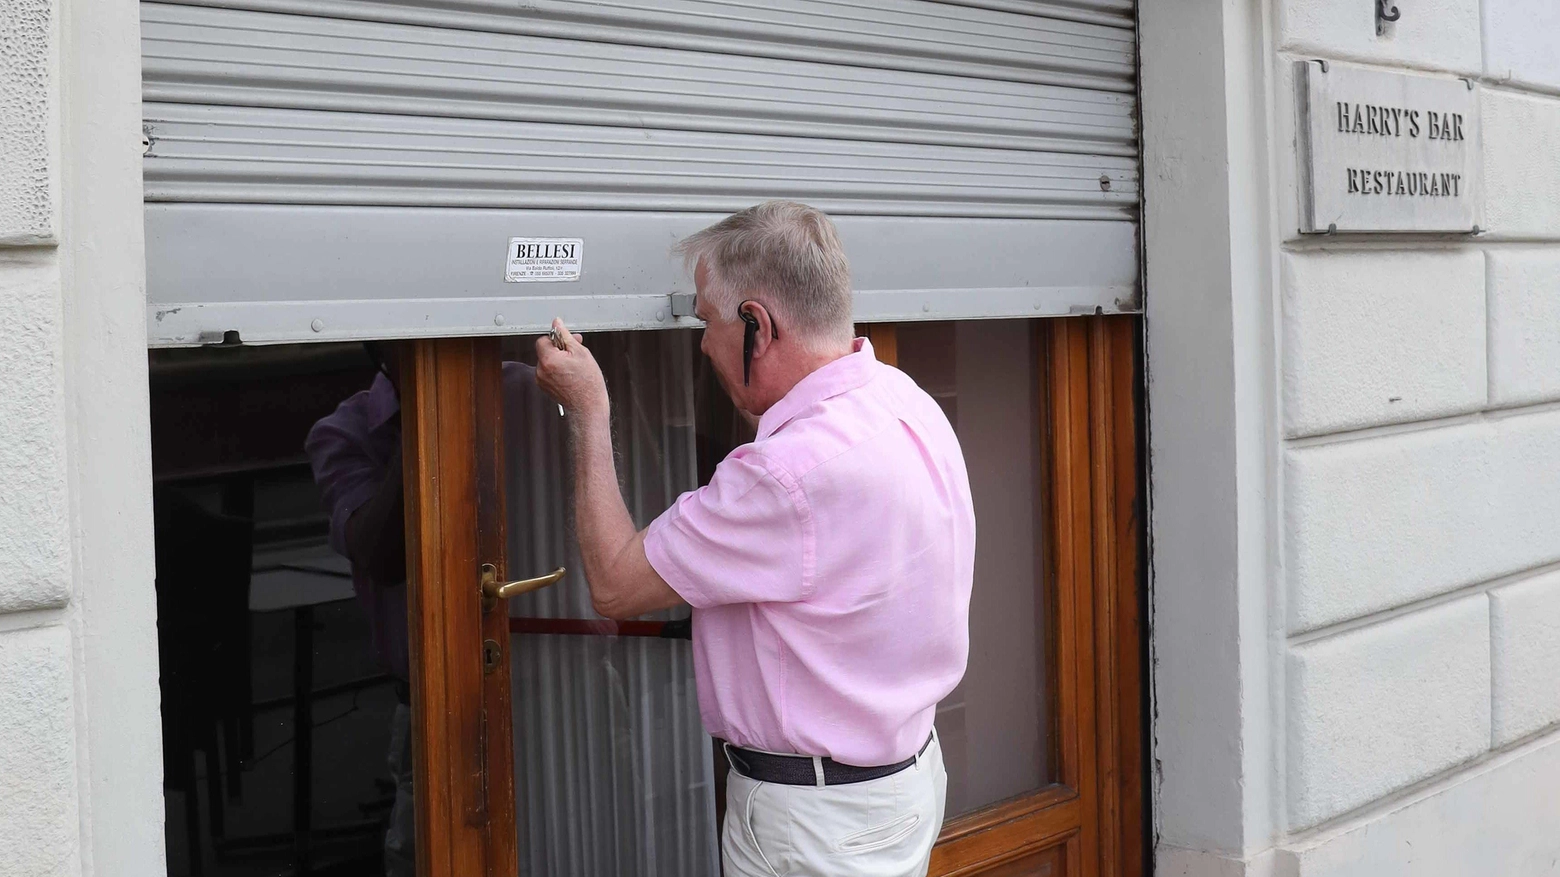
[558, 342]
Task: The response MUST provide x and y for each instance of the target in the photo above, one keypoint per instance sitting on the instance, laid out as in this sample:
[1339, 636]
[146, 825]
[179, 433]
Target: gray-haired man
[829, 562]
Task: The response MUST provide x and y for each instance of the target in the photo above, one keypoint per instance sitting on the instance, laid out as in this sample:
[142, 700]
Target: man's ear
[764, 329]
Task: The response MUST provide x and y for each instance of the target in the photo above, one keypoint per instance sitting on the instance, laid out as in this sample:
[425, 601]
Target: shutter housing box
[339, 169]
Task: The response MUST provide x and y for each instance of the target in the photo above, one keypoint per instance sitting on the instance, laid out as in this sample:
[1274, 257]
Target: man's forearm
[622, 581]
[602, 523]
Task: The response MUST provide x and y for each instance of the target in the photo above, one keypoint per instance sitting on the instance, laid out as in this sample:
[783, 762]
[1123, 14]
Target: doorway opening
[276, 711]
[265, 629]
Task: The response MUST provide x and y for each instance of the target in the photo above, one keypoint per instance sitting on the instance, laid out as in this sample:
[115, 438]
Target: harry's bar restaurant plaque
[1386, 151]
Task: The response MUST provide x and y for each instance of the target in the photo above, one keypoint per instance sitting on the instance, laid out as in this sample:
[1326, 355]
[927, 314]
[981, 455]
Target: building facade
[1348, 667]
[1351, 476]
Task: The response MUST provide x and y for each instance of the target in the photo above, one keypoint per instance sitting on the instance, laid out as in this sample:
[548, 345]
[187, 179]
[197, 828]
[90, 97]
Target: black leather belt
[804, 770]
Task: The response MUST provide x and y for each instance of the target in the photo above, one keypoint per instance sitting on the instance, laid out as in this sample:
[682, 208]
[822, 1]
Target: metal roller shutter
[355, 168]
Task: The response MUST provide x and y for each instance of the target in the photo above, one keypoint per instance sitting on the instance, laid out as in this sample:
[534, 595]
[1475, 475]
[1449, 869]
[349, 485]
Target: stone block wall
[80, 755]
[29, 176]
[38, 795]
[1419, 485]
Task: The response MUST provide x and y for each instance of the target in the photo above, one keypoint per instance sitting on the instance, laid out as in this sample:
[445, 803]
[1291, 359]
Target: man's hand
[571, 375]
[622, 582]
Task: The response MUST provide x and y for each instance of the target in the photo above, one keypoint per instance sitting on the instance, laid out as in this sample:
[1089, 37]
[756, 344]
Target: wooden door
[1090, 822]
[1086, 819]
[463, 777]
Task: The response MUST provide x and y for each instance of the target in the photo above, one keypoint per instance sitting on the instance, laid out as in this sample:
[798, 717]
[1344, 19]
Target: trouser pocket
[748, 841]
[880, 836]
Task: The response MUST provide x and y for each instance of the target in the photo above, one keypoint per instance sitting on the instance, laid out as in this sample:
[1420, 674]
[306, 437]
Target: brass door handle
[493, 590]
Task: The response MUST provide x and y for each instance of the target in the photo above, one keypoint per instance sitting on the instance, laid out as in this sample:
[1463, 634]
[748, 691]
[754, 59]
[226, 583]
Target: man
[829, 562]
[355, 454]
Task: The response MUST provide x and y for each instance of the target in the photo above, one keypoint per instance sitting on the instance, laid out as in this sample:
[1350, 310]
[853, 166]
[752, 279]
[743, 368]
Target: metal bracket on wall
[682, 304]
[1385, 12]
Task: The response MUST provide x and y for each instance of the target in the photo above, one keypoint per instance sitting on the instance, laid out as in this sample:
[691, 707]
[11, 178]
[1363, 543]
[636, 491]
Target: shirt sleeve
[345, 473]
[743, 538]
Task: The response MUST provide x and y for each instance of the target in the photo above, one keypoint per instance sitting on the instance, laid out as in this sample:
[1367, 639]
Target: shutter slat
[909, 35]
[279, 156]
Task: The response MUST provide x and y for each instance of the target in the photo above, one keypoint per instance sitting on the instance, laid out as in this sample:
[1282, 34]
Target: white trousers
[880, 828]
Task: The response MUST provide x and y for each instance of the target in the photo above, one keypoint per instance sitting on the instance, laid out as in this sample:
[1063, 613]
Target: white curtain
[613, 771]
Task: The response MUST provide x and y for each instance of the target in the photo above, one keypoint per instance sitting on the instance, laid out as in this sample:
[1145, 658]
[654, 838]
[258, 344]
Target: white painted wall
[80, 742]
[1371, 683]
[1208, 253]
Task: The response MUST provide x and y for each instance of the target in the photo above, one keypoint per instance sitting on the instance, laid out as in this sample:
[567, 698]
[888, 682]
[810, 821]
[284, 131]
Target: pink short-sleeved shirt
[829, 564]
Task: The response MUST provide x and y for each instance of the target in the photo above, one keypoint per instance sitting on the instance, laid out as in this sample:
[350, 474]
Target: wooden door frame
[462, 744]
[1092, 544]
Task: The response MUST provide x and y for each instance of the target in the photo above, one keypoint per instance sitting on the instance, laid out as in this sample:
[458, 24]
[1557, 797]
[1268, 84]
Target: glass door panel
[614, 775]
[996, 728]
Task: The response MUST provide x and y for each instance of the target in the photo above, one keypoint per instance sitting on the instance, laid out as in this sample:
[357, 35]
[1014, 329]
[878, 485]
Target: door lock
[491, 655]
